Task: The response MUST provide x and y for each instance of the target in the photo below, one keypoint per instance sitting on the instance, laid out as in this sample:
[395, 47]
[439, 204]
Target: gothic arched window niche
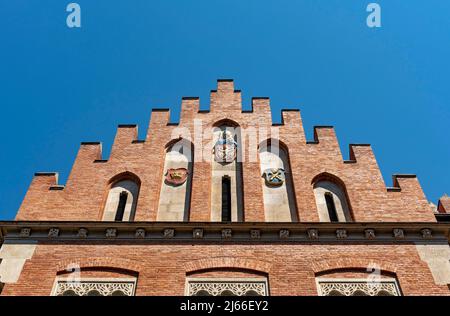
[278, 191]
[175, 194]
[122, 198]
[331, 199]
[226, 173]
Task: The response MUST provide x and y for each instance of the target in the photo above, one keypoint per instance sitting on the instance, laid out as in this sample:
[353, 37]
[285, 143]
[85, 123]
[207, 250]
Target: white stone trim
[239, 286]
[348, 286]
[437, 257]
[13, 257]
[106, 286]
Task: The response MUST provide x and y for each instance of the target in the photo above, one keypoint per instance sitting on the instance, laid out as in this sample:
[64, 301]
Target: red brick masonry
[162, 266]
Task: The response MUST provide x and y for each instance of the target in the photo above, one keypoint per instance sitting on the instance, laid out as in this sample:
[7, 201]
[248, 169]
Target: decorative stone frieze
[227, 233]
[111, 233]
[140, 233]
[238, 287]
[197, 233]
[25, 232]
[255, 234]
[53, 232]
[82, 233]
[94, 288]
[323, 232]
[369, 233]
[358, 288]
[426, 233]
[313, 233]
[284, 234]
[398, 233]
[341, 234]
[169, 233]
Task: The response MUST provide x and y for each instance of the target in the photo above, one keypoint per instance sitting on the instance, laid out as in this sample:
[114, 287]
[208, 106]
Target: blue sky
[387, 86]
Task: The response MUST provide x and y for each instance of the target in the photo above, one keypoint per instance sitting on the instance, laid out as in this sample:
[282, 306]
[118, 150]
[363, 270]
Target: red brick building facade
[225, 203]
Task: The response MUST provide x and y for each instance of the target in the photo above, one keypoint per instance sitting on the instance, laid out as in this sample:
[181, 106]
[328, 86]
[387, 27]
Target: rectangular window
[227, 287]
[121, 207]
[94, 287]
[226, 199]
[358, 287]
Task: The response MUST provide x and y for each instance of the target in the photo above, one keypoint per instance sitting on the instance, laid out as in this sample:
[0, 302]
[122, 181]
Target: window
[331, 200]
[226, 160]
[331, 207]
[121, 207]
[227, 287]
[122, 199]
[226, 199]
[95, 287]
[355, 287]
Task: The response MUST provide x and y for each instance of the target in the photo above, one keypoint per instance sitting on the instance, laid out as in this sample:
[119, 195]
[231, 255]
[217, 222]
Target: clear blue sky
[58, 86]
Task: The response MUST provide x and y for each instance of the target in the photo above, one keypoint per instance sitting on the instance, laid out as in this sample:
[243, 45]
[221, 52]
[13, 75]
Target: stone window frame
[59, 280]
[118, 184]
[191, 280]
[357, 283]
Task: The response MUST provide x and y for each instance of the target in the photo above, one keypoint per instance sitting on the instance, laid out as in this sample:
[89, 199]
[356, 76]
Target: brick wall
[162, 270]
[444, 204]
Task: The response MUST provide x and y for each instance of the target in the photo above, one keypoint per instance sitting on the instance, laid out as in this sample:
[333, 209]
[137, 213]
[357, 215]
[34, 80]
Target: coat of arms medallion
[225, 148]
[176, 176]
[274, 176]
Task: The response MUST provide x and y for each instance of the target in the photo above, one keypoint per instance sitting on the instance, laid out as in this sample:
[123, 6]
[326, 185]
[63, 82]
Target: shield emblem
[176, 176]
[225, 148]
[274, 177]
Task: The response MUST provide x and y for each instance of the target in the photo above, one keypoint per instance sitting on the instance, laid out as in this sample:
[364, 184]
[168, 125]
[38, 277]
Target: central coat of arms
[176, 176]
[274, 176]
[225, 148]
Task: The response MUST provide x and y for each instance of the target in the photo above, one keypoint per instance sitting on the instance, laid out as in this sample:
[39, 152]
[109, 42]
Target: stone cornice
[201, 232]
[443, 217]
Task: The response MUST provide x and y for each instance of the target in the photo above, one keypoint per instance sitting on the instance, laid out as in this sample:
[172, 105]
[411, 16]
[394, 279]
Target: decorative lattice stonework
[383, 287]
[94, 288]
[227, 287]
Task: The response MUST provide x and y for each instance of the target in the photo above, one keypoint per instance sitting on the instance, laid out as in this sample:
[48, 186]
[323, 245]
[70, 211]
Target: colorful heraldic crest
[226, 148]
[274, 176]
[176, 176]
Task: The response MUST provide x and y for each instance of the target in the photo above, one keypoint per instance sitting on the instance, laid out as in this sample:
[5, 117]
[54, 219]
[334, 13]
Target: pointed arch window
[122, 200]
[331, 199]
